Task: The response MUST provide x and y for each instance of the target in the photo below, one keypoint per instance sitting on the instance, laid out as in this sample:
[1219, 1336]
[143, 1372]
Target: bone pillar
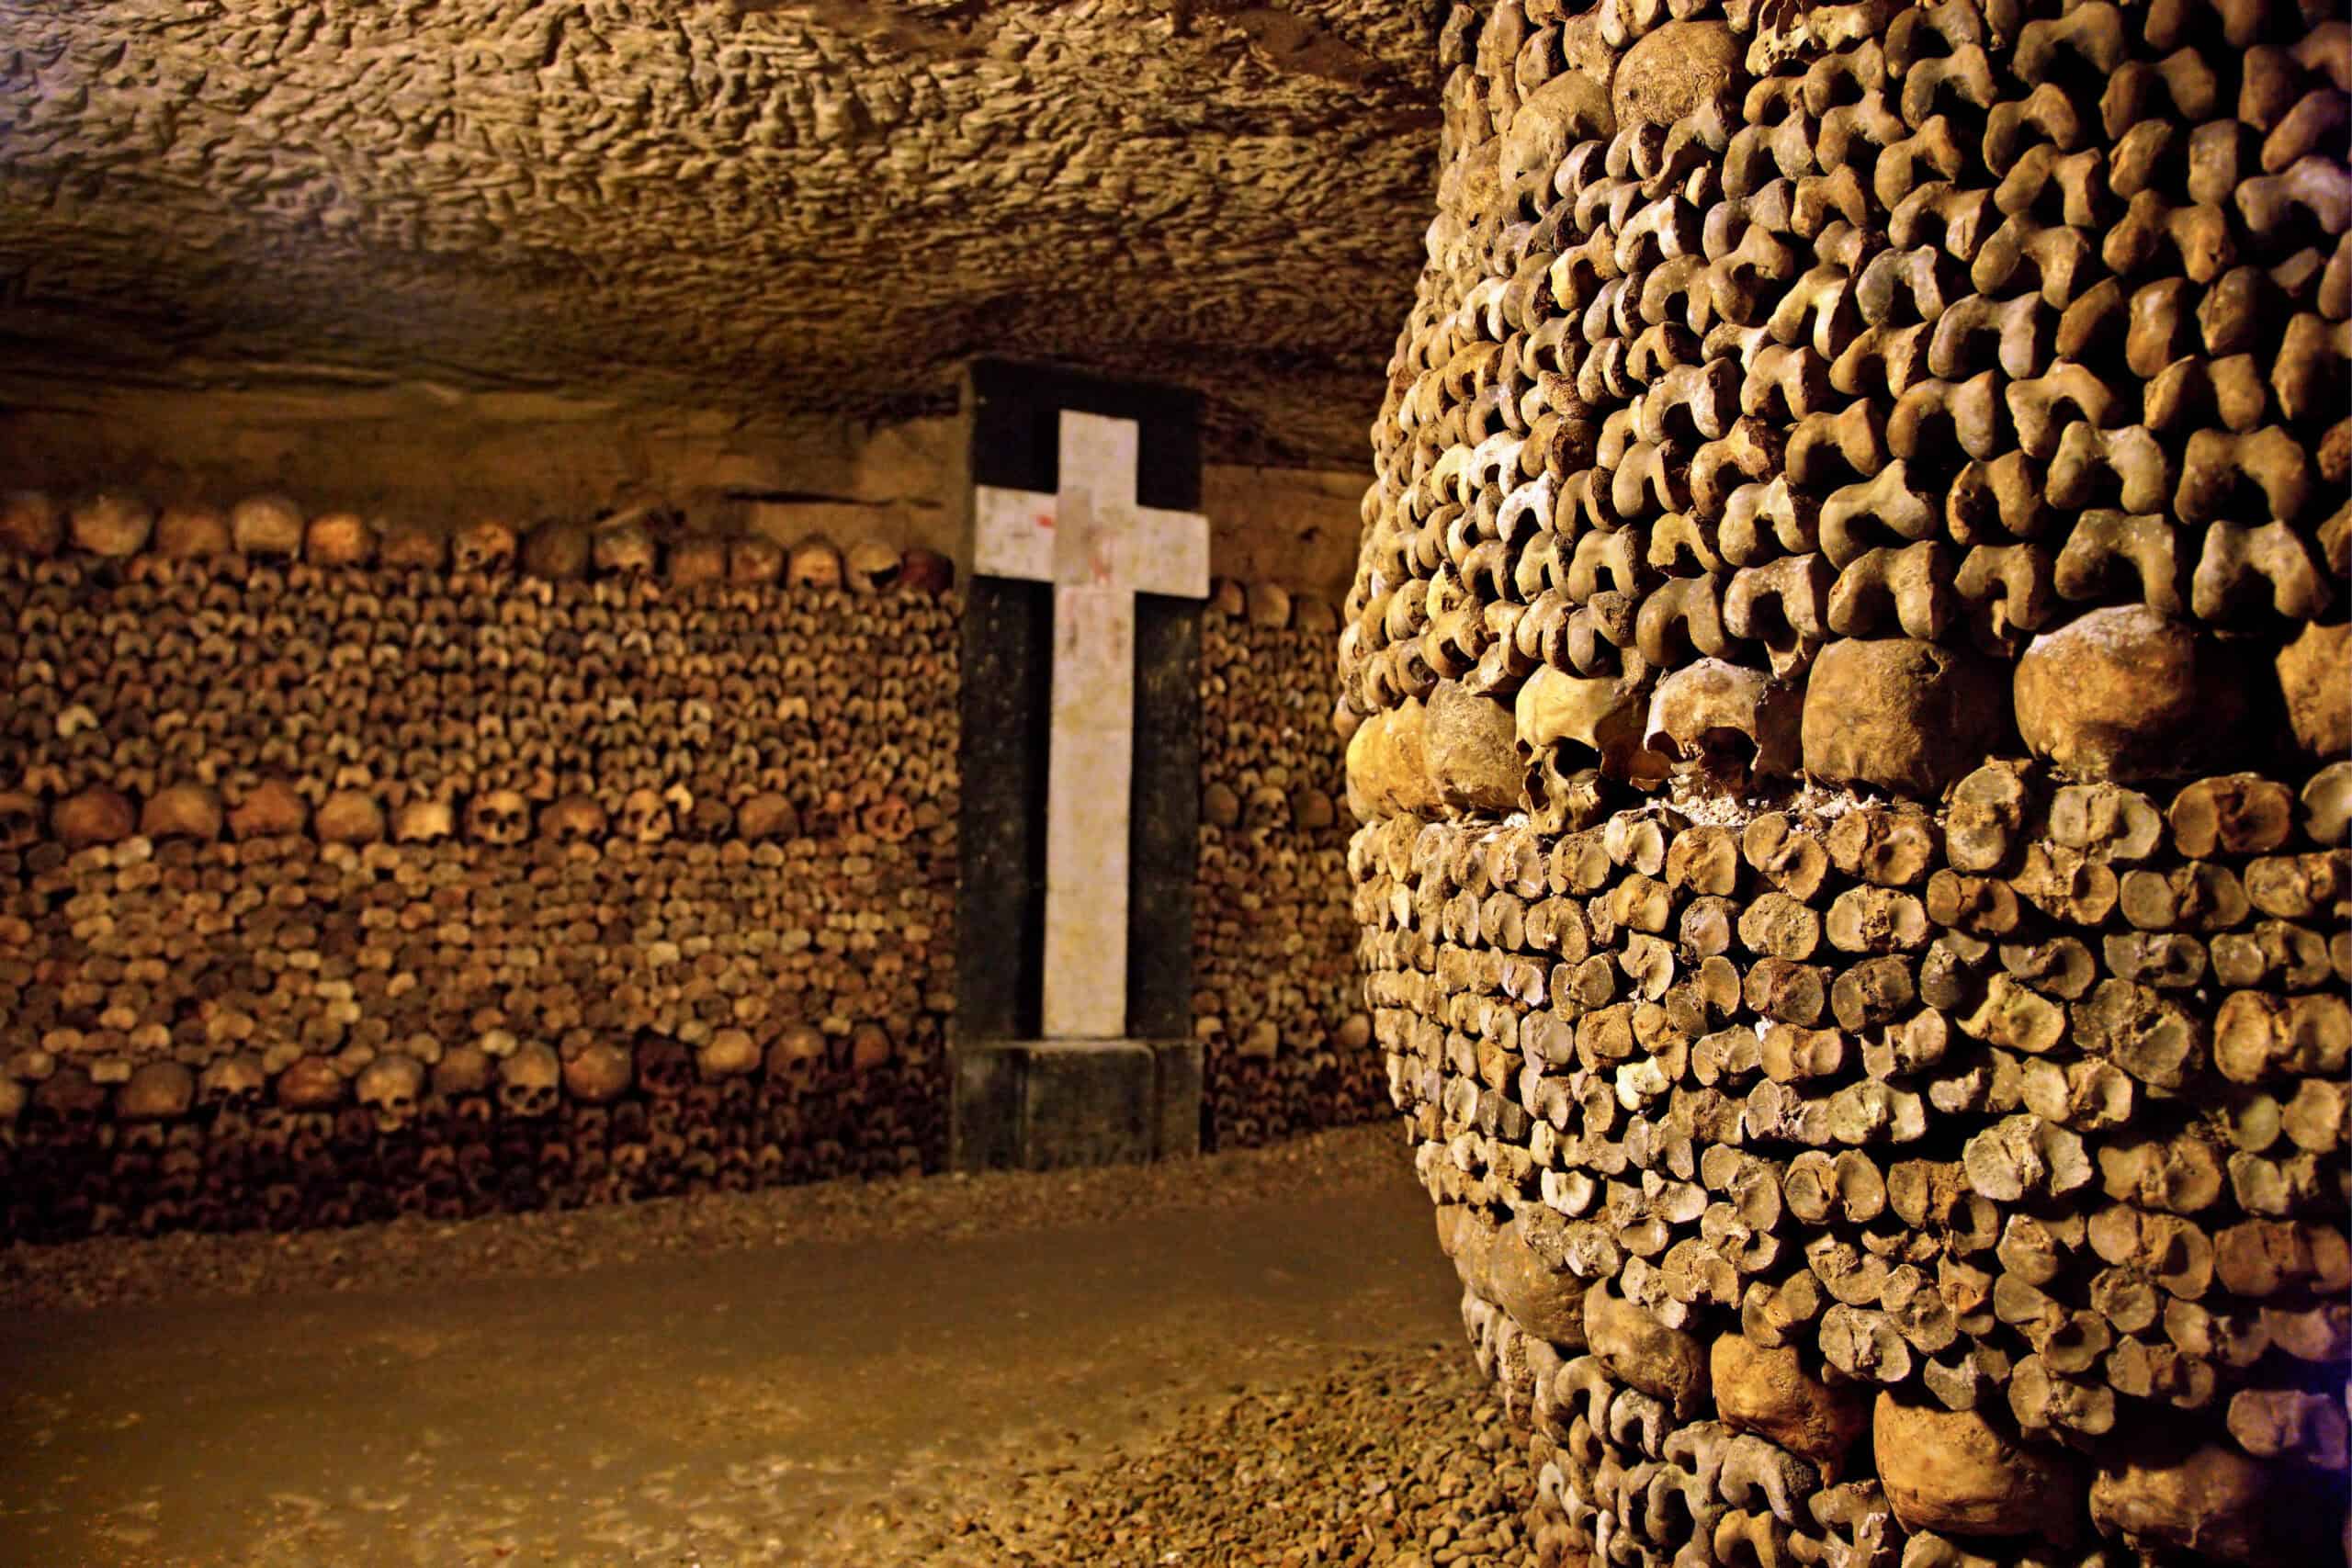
[1853, 870]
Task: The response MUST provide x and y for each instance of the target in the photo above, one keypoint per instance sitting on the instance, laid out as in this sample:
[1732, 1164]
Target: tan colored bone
[31, 524]
[1724, 723]
[111, 524]
[1898, 715]
[2125, 693]
[267, 527]
[1959, 1471]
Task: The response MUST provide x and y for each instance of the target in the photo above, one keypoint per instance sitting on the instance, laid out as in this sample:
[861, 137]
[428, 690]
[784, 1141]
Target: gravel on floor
[119, 1270]
[1394, 1459]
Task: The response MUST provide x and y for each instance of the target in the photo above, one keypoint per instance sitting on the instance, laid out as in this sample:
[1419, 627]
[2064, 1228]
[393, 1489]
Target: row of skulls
[274, 809]
[527, 1078]
[116, 526]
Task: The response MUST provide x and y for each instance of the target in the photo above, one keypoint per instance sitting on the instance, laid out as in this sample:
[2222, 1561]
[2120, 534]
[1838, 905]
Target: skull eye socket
[1724, 748]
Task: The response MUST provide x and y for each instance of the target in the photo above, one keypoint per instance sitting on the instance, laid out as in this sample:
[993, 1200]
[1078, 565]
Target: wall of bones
[1281, 999]
[1847, 686]
[349, 873]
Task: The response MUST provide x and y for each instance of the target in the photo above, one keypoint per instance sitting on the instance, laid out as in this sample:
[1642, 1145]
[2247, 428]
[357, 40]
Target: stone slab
[1012, 534]
[1000, 825]
[1090, 1102]
[1177, 1117]
[1051, 1104]
[985, 1116]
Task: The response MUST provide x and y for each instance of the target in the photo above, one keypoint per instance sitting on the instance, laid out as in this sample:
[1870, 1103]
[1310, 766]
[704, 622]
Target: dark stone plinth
[1049, 1104]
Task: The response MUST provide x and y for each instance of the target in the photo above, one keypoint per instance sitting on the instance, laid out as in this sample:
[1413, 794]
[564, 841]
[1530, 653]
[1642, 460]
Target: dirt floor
[1253, 1357]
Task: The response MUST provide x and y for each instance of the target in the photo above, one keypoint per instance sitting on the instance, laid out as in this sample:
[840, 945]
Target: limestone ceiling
[773, 205]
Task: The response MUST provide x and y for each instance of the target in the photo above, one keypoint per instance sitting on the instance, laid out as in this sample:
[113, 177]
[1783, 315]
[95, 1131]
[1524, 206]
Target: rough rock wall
[817, 207]
[1848, 693]
[1277, 1003]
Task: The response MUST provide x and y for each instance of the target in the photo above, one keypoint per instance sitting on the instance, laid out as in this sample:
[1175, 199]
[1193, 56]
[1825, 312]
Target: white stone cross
[1099, 550]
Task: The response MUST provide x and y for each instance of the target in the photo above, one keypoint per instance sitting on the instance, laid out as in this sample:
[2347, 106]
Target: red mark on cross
[1044, 520]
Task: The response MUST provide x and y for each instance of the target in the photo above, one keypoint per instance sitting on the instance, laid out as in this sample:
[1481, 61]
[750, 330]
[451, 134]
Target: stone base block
[1046, 1104]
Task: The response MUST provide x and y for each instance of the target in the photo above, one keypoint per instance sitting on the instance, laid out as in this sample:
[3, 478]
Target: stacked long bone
[344, 874]
[1847, 689]
[354, 871]
[1285, 1039]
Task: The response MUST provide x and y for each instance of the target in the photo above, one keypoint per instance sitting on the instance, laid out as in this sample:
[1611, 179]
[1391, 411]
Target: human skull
[664, 1068]
[574, 819]
[598, 1071]
[183, 811]
[407, 546]
[1267, 604]
[391, 1086]
[926, 572]
[697, 561]
[529, 1080]
[350, 816]
[486, 547]
[271, 809]
[155, 1092]
[462, 1070]
[754, 562]
[871, 567]
[112, 523]
[69, 1098]
[869, 1046]
[557, 551]
[498, 816]
[814, 563]
[767, 816]
[94, 816]
[339, 539]
[20, 819]
[29, 525]
[625, 547]
[1723, 724]
[267, 526]
[1264, 807]
[424, 821]
[798, 1052]
[186, 533]
[645, 816]
[728, 1054]
[310, 1083]
[1603, 715]
[236, 1081]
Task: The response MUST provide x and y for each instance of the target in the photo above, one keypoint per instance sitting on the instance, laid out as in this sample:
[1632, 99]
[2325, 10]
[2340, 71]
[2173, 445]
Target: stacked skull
[335, 883]
[1847, 695]
[350, 870]
[1284, 1039]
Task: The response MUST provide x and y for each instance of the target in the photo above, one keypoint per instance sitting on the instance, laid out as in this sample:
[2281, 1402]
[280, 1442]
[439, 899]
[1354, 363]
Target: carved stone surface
[743, 204]
[1939, 1133]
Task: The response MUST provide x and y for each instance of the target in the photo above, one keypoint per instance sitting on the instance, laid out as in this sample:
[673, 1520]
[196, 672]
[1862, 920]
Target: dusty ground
[1250, 1358]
